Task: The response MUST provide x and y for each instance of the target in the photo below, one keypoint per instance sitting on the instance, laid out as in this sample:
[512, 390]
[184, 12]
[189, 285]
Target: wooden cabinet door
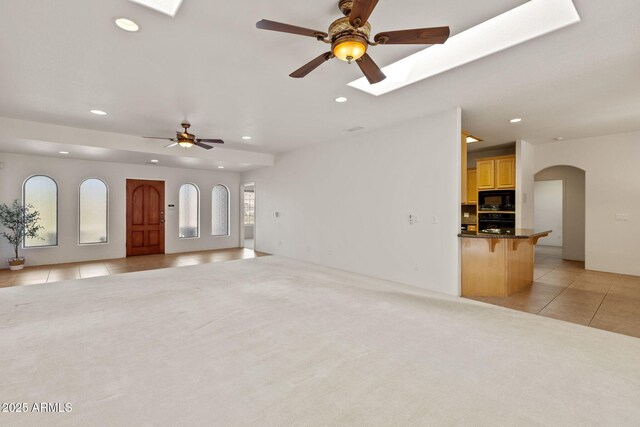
[486, 174]
[472, 186]
[506, 172]
[145, 217]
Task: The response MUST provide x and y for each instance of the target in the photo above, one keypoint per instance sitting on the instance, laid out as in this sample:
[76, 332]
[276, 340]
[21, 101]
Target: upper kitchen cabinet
[496, 173]
[472, 186]
[485, 170]
[506, 172]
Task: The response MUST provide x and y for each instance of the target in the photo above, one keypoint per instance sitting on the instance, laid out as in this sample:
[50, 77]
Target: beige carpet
[271, 342]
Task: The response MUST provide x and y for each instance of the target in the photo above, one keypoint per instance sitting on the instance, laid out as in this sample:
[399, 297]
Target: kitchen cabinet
[486, 179]
[506, 172]
[496, 173]
[463, 159]
[472, 186]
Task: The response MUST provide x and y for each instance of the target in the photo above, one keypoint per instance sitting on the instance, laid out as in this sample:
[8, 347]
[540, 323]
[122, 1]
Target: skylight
[168, 7]
[529, 21]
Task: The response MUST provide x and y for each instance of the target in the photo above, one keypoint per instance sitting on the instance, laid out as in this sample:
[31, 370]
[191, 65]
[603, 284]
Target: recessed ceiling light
[516, 120]
[220, 167]
[63, 152]
[559, 138]
[154, 161]
[246, 138]
[127, 24]
[98, 112]
[341, 99]
[472, 139]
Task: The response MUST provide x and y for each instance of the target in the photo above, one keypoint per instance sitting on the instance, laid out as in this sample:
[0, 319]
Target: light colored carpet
[272, 342]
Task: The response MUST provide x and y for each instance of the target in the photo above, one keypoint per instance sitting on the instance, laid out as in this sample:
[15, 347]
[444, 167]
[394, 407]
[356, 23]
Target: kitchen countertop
[519, 233]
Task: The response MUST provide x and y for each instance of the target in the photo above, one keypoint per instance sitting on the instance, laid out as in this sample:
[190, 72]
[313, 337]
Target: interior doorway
[573, 209]
[548, 210]
[248, 219]
[145, 217]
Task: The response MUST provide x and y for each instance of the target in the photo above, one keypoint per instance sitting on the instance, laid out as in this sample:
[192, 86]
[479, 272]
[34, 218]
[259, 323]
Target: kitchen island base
[498, 265]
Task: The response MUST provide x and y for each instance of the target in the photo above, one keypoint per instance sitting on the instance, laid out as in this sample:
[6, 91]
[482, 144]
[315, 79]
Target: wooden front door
[145, 217]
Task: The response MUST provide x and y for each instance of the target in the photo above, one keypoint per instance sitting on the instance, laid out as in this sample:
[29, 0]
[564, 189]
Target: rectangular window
[249, 208]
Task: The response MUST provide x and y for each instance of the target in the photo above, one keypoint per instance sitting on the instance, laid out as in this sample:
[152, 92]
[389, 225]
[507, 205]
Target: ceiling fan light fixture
[185, 144]
[349, 48]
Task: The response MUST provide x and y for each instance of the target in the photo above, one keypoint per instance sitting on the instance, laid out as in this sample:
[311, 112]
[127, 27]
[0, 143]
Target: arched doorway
[571, 180]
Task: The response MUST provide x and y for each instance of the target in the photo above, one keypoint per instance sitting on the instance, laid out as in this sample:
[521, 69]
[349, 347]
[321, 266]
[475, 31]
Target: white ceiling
[211, 65]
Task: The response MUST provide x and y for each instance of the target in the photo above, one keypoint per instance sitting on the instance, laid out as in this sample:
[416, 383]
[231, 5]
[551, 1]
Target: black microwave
[497, 200]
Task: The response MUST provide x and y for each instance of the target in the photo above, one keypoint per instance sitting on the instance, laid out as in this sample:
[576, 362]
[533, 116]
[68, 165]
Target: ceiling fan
[349, 38]
[188, 140]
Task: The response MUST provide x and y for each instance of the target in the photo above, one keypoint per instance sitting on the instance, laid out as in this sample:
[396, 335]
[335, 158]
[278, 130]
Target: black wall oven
[496, 223]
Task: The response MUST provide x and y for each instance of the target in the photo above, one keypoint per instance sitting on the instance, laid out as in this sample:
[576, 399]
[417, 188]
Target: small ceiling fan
[349, 38]
[188, 140]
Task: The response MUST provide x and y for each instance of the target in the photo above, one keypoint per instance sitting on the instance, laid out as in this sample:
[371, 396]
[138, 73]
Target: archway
[573, 208]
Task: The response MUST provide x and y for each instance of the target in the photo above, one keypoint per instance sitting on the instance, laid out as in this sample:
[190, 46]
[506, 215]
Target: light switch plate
[622, 217]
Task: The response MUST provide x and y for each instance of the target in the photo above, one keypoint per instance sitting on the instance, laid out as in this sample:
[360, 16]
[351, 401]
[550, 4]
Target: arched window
[41, 192]
[189, 211]
[94, 202]
[220, 211]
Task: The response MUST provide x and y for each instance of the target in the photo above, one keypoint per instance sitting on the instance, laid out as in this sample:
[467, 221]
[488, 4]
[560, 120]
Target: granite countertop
[518, 233]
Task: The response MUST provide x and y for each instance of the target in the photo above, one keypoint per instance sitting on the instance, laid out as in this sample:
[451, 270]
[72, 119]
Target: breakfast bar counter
[498, 264]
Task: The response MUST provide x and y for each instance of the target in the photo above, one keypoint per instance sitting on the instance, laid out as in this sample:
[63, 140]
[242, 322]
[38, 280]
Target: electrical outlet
[434, 219]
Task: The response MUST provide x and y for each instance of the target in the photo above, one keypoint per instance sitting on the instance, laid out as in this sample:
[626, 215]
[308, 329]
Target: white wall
[346, 204]
[573, 233]
[548, 210]
[69, 173]
[524, 185]
[612, 187]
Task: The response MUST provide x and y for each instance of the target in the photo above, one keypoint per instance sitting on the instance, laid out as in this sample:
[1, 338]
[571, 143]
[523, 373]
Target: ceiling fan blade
[361, 11]
[157, 137]
[435, 35]
[173, 144]
[201, 145]
[211, 141]
[371, 71]
[292, 29]
[310, 66]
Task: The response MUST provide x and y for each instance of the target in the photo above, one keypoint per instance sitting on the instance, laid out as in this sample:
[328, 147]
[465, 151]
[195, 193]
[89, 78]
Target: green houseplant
[21, 222]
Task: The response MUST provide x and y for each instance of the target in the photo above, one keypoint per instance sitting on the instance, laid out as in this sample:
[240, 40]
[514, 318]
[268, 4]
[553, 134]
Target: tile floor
[564, 290]
[78, 270]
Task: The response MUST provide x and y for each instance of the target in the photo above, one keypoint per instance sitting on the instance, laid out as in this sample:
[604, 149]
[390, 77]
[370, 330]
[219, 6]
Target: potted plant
[20, 222]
